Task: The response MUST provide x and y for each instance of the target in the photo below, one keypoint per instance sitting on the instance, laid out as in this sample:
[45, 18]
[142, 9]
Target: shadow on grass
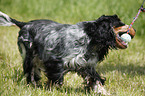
[69, 90]
[131, 68]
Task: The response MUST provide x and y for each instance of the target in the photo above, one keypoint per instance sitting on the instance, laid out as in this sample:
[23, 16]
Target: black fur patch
[65, 47]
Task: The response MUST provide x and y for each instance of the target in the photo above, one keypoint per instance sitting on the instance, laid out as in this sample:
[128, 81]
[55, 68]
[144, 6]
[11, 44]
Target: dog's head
[120, 28]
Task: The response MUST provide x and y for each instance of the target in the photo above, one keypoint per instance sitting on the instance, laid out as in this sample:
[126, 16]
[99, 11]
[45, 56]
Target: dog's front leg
[92, 80]
[54, 71]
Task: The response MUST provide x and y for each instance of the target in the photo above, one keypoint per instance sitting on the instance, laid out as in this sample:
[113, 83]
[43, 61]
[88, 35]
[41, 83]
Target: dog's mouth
[120, 43]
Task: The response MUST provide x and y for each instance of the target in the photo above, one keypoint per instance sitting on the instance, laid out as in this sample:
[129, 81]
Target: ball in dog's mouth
[122, 38]
[126, 38]
[120, 43]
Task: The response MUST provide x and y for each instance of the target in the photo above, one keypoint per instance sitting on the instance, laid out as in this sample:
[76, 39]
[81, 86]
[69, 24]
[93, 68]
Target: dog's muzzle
[121, 30]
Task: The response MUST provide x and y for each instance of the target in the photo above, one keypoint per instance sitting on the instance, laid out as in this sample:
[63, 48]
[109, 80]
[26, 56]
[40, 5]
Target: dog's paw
[99, 89]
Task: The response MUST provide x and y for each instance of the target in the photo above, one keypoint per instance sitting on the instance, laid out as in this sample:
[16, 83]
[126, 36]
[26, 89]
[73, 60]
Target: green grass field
[124, 69]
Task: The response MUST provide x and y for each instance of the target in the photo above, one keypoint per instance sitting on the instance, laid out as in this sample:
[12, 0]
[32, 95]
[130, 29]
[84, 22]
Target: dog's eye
[119, 24]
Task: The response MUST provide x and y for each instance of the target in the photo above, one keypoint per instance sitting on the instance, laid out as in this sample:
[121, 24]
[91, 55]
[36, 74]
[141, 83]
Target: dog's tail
[5, 20]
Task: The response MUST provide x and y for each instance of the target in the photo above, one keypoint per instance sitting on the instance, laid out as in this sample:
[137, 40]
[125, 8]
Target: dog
[56, 48]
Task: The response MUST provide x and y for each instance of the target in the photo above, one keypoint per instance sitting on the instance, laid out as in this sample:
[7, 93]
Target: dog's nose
[134, 29]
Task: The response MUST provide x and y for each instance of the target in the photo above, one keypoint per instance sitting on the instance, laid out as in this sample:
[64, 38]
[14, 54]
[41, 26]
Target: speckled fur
[57, 48]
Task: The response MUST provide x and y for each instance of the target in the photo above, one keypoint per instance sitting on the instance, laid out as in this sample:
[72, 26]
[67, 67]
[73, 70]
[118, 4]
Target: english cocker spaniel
[56, 48]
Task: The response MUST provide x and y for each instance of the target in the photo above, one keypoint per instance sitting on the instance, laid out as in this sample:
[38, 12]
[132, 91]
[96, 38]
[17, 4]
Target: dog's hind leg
[31, 69]
[27, 67]
[54, 71]
[38, 66]
[27, 60]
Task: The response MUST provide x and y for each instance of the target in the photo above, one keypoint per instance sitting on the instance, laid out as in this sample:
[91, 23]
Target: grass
[124, 69]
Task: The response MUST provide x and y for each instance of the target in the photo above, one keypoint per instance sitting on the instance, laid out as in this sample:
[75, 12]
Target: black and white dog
[57, 48]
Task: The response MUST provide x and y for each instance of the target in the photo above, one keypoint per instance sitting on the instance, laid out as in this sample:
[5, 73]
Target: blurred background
[124, 69]
[73, 11]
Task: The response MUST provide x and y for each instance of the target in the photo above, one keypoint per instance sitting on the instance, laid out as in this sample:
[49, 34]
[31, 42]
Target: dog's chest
[76, 43]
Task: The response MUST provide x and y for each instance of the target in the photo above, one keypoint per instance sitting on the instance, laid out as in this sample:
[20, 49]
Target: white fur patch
[74, 61]
[5, 20]
[100, 89]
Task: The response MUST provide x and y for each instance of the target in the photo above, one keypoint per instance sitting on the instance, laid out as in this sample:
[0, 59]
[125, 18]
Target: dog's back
[57, 48]
[35, 33]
